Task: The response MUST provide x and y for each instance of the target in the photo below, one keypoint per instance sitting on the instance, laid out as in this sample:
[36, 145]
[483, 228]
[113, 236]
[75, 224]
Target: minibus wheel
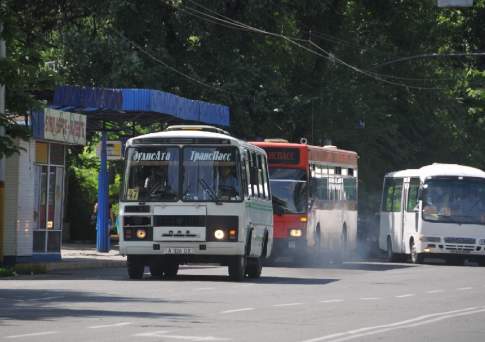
[416, 258]
[481, 261]
[237, 268]
[136, 266]
[391, 256]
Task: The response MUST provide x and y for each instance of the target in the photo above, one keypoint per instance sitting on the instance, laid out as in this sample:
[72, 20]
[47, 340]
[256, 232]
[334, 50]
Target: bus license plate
[179, 250]
[292, 244]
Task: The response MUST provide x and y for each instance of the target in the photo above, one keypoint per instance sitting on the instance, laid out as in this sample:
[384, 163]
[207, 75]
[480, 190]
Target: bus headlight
[219, 234]
[295, 233]
[141, 234]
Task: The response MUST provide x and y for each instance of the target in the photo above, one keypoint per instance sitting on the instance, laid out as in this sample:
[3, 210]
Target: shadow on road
[31, 304]
[263, 280]
[361, 266]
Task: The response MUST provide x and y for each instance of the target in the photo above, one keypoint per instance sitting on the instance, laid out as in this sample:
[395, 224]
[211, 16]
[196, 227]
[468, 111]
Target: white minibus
[435, 211]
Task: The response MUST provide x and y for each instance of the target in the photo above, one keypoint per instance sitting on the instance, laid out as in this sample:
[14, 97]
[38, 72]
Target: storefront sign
[66, 127]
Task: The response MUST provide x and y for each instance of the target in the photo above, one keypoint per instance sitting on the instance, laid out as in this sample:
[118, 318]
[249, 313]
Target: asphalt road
[361, 301]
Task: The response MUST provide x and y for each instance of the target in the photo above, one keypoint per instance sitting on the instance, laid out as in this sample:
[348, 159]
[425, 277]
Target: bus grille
[459, 248]
[179, 221]
[460, 240]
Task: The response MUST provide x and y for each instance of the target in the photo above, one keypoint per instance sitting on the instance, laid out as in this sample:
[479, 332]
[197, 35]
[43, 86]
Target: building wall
[11, 203]
[19, 201]
[26, 199]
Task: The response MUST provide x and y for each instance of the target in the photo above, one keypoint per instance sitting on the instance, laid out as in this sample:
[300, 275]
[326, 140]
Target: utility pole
[2, 161]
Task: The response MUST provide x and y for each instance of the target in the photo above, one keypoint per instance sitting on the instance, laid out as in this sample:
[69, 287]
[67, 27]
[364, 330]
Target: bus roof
[187, 134]
[326, 154]
[438, 169]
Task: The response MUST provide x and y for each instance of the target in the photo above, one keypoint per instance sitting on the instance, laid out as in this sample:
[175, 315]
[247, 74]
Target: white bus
[195, 194]
[435, 211]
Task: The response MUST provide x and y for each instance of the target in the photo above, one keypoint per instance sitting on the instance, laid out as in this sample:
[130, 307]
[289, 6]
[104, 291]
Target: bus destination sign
[283, 155]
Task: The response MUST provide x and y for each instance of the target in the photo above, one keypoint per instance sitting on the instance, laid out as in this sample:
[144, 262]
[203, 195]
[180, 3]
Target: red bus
[314, 191]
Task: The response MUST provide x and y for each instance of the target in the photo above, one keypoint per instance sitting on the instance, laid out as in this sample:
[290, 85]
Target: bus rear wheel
[136, 266]
[237, 268]
[254, 268]
[391, 256]
[156, 268]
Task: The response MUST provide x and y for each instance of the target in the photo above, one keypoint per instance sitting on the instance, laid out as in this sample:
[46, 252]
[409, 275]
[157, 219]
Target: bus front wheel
[237, 268]
[416, 258]
[156, 268]
[254, 268]
[170, 269]
[136, 266]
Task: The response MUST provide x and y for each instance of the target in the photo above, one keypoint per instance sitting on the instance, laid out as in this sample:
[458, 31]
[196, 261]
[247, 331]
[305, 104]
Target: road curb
[78, 265]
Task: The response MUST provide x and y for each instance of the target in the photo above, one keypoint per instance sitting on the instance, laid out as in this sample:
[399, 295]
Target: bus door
[397, 216]
[403, 222]
[392, 216]
[410, 200]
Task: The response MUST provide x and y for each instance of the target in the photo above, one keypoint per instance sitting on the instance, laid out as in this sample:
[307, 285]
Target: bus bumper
[181, 248]
[439, 250]
[292, 247]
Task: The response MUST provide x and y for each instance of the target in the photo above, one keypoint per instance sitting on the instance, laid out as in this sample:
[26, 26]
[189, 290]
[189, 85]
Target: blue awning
[140, 100]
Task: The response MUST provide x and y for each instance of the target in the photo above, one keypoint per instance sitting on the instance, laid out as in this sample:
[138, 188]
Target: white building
[34, 188]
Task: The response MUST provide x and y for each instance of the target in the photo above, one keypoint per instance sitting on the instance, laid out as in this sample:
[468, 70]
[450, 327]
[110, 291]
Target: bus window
[350, 189]
[387, 195]
[254, 174]
[262, 194]
[322, 188]
[265, 177]
[244, 174]
[413, 194]
[396, 200]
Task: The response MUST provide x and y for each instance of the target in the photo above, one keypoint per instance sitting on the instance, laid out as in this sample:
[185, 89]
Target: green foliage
[360, 88]
[6, 272]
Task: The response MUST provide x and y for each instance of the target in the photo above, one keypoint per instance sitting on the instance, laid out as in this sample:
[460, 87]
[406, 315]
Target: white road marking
[435, 291]
[370, 298]
[43, 333]
[236, 310]
[373, 330]
[287, 304]
[164, 334]
[246, 285]
[332, 301]
[121, 324]
[204, 288]
[406, 295]
[50, 298]
[464, 288]
[158, 333]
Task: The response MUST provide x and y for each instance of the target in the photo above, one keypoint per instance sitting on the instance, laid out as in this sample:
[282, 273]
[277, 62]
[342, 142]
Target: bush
[6, 272]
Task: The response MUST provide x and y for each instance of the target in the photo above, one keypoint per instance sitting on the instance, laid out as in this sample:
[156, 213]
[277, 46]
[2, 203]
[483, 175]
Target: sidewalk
[80, 256]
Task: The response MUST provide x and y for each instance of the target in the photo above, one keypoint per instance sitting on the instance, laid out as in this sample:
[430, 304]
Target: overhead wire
[329, 56]
[158, 60]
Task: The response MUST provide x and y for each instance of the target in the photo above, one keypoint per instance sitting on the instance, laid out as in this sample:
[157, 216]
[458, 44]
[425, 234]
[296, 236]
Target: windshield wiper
[211, 192]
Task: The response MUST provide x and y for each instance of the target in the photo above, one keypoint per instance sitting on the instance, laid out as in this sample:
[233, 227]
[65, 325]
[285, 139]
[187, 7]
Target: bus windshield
[210, 174]
[289, 190]
[152, 174]
[454, 200]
